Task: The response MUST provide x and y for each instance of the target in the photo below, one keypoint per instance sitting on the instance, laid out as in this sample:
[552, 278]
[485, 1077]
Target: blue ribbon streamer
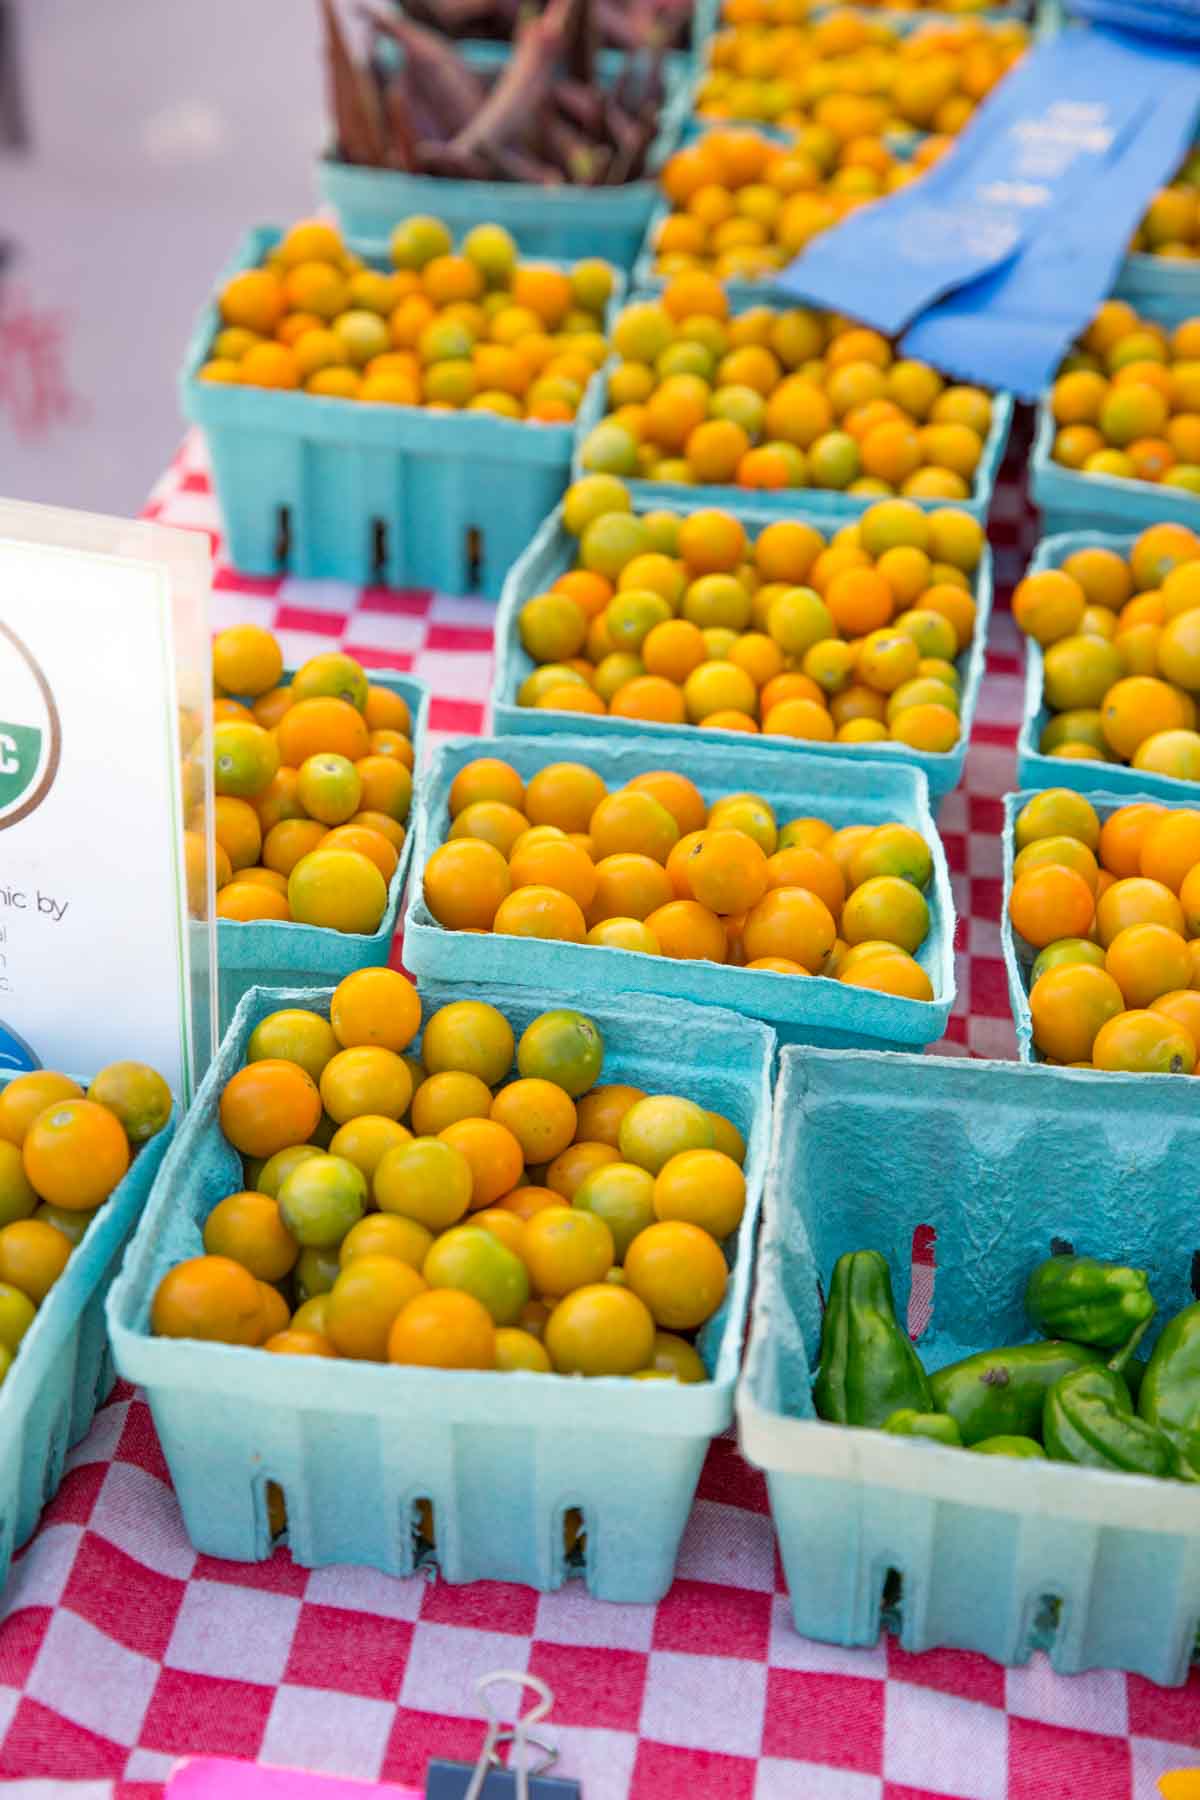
[999, 254]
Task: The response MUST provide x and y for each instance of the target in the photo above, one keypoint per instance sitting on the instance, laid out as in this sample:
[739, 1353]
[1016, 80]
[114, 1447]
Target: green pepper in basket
[1132, 1374]
[869, 1368]
[939, 1427]
[1087, 1301]
[1170, 1391]
[1008, 1444]
[1000, 1393]
[1089, 1419]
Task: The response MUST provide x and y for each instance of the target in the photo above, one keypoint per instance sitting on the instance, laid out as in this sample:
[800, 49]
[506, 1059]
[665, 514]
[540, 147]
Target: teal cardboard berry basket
[1034, 768]
[828, 505]
[283, 953]
[552, 552]
[805, 1009]
[1166, 286]
[745, 293]
[945, 1548]
[1071, 501]
[63, 1370]
[707, 17]
[561, 222]
[397, 495]
[742, 295]
[502, 1458]
[1019, 957]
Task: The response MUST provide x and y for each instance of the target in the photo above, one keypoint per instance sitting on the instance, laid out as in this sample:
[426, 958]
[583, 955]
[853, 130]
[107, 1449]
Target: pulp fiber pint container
[1166, 286]
[745, 292]
[827, 505]
[1070, 501]
[1018, 955]
[502, 1458]
[741, 294]
[283, 953]
[1037, 770]
[564, 222]
[943, 1547]
[396, 495]
[707, 19]
[902, 141]
[553, 551]
[806, 1009]
[63, 1370]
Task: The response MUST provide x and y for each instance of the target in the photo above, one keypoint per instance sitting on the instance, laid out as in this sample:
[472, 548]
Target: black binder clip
[489, 1779]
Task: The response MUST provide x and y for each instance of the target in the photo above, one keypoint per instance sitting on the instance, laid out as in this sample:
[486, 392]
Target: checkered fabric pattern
[122, 1649]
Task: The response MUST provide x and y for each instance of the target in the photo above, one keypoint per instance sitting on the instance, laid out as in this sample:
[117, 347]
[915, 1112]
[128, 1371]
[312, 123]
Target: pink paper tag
[221, 1778]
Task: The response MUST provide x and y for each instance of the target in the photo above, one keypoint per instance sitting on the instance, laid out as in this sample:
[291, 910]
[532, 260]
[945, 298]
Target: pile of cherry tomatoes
[433, 1207]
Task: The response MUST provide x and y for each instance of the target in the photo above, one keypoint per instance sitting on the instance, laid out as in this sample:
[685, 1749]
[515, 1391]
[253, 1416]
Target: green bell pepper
[1000, 1393]
[940, 1427]
[869, 1368]
[1007, 1444]
[1089, 1419]
[1088, 1302]
[1170, 1391]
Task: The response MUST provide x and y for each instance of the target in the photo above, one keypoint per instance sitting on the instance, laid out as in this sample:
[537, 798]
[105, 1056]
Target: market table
[122, 1649]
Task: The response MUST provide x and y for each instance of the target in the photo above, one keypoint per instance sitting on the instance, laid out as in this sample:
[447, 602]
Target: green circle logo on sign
[30, 731]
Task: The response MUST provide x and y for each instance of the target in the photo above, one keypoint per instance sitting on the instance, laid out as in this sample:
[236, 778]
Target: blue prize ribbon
[1050, 132]
[1010, 328]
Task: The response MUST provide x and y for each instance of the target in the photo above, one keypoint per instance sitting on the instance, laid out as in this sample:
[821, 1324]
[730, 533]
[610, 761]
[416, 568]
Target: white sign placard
[96, 943]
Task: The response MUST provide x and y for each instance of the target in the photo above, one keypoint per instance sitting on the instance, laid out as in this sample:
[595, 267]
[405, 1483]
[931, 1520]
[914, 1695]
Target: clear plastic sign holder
[107, 942]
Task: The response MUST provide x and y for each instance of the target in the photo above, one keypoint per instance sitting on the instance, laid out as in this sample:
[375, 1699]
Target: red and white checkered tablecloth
[122, 1649]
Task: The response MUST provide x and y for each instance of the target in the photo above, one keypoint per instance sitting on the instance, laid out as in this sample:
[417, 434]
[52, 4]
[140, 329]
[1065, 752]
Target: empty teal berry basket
[804, 1009]
[63, 1370]
[279, 953]
[1034, 769]
[553, 551]
[563, 222]
[830, 505]
[1019, 956]
[502, 1458]
[943, 1547]
[1070, 501]
[398, 495]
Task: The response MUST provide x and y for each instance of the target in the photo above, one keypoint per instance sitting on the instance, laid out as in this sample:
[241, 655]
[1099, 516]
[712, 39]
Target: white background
[104, 982]
[161, 129]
